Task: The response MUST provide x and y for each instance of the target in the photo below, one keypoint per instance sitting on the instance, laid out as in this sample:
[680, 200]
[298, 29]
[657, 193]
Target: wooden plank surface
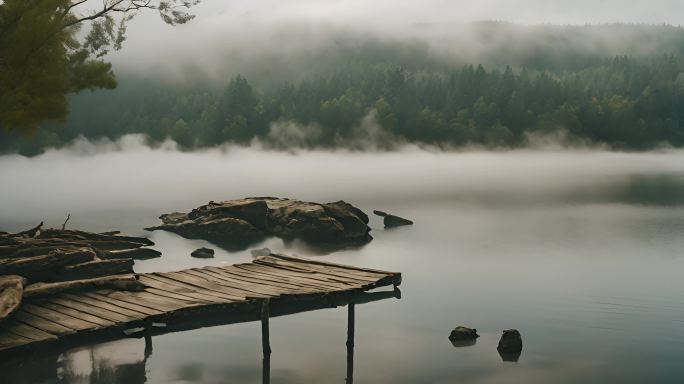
[59, 318]
[237, 288]
[275, 277]
[41, 323]
[318, 275]
[105, 306]
[296, 276]
[263, 272]
[67, 310]
[268, 281]
[121, 304]
[28, 332]
[91, 310]
[9, 339]
[328, 269]
[182, 293]
[183, 283]
[243, 285]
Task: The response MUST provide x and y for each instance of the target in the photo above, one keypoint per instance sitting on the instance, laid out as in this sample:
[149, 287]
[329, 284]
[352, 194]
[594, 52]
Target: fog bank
[129, 176]
[266, 38]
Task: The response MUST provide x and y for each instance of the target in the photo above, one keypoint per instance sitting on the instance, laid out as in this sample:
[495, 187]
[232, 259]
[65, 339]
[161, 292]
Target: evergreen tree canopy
[42, 61]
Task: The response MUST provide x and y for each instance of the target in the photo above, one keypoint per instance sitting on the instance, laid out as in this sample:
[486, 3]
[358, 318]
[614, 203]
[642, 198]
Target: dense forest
[386, 93]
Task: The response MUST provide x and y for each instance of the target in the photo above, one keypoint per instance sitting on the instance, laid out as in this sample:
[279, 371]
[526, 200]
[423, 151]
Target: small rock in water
[260, 252]
[463, 336]
[203, 253]
[392, 220]
[510, 345]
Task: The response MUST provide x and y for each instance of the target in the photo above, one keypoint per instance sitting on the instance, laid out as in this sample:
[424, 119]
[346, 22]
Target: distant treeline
[622, 102]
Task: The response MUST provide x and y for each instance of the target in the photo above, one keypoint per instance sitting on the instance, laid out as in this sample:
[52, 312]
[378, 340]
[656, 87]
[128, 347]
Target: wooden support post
[350, 344]
[148, 346]
[265, 342]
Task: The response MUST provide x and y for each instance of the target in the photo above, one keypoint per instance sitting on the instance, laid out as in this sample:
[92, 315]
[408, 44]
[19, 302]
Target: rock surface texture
[463, 333]
[463, 336]
[510, 341]
[510, 345]
[203, 253]
[247, 220]
[392, 220]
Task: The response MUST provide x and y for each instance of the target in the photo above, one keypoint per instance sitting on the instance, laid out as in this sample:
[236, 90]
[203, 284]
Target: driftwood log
[37, 241]
[117, 282]
[33, 232]
[37, 268]
[135, 254]
[11, 291]
[95, 268]
[55, 261]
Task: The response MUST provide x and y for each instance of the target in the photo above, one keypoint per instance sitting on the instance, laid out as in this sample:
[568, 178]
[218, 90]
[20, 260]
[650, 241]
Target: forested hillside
[633, 101]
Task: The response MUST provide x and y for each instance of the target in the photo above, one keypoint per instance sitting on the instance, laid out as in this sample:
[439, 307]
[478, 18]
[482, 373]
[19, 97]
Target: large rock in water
[247, 220]
[463, 336]
[510, 345]
[463, 333]
[510, 341]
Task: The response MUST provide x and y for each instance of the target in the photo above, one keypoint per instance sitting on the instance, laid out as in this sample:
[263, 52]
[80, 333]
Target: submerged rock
[392, 220]
[203, 253]
[245, 221]
[463, 336]
[510, 345]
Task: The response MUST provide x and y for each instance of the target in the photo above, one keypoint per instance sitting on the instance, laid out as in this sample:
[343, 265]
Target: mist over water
[128, 175]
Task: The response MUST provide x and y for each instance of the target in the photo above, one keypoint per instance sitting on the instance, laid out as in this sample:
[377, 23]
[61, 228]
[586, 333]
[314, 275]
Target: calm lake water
[581, 251]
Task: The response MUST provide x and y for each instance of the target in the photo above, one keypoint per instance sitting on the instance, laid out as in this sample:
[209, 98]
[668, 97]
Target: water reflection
[510, 356]
[664, 189]
[289, 244]
[126, 361]
[463, 343]
[265, 343]
[351, 319]
[95, 364]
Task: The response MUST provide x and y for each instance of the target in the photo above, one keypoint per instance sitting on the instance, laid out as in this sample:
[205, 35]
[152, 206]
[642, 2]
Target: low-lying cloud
[129, 176]
[271, 40]
[368, 135]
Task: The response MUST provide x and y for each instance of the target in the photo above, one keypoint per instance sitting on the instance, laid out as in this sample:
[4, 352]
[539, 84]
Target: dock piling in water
[265, 342]
[350, 343]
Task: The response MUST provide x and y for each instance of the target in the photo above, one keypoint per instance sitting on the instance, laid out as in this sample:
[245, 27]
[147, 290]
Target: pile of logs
[43, 262]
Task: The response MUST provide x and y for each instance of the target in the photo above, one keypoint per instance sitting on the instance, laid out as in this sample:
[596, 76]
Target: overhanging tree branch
[42, 58]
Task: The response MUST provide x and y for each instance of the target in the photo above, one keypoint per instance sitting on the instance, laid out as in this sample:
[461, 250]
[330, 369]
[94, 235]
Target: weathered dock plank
[122, 305]
[183, 299]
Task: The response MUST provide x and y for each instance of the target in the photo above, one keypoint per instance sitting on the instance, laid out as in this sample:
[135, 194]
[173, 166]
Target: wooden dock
[188, 299]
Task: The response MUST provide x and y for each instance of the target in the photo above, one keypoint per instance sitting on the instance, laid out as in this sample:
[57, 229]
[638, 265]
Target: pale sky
[241, 29]
[398, 12]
